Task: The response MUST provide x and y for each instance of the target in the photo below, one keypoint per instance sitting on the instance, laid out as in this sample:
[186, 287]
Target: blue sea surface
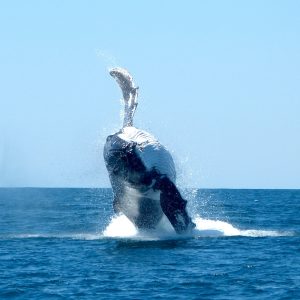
[67, 244]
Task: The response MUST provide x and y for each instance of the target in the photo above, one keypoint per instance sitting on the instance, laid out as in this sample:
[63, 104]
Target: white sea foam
[121, 227]
[206, 227]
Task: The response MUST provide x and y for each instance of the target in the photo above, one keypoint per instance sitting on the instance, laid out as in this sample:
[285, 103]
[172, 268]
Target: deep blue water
[61, 244]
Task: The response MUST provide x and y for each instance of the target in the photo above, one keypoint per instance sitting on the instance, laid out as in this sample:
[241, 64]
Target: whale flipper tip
[129, 91]
[123, 77]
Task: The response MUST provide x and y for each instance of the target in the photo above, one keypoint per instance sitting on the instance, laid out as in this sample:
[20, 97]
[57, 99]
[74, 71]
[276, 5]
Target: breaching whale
[142, 171]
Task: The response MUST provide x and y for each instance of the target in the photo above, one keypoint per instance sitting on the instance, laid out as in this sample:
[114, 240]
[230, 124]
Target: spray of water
[121, 227]
[107, 57]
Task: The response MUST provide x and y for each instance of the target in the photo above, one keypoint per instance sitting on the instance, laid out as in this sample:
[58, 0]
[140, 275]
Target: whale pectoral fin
[174, 206]
[129, 91]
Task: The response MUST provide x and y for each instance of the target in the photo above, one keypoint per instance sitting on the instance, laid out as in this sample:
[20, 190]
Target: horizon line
[108, 187]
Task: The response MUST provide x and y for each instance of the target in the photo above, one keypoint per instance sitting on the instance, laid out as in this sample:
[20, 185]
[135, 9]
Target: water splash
[205, 227]
[109, 59]
[121, 227]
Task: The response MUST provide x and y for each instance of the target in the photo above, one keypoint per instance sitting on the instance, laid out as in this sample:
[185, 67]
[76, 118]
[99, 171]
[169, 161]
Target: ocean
[68, 244]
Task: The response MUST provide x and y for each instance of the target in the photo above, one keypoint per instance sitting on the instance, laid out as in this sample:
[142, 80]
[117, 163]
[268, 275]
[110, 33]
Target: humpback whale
[141, 170]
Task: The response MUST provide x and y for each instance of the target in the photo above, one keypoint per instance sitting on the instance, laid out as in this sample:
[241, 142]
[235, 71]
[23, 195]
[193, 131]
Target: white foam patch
[265, 233]
[214, 228]
[121, 227]
[208, 228]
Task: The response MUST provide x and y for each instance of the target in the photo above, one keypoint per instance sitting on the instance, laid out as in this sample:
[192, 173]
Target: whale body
[142, 171]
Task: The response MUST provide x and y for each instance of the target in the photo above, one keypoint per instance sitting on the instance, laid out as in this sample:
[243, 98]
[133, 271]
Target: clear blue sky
[219, 86]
